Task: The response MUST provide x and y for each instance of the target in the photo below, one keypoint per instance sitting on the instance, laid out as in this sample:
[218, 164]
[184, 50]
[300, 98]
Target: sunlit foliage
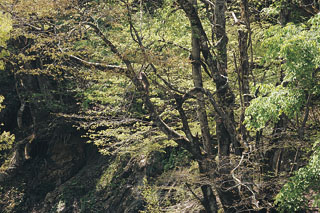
[295, 51]
[302, 190]
[6, 139]
[5, 28]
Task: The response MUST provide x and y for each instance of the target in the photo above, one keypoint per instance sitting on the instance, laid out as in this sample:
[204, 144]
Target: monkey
[144, 80]
[22, 151]
[27, 148]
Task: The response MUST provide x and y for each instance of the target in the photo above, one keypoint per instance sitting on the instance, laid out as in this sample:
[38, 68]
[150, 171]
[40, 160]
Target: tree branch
[174, 44]
[171, 134]
[100, 66]
[111, 46]
[207, 2]
[194, 194]
[204, 41]
[225, 119]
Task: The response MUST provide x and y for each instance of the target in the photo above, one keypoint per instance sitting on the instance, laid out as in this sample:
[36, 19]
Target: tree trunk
[226, 100]
[273, 156]
[225, 96]
[197, 81]
[284, 12]
[243, 38]
[209, 200]
[244, 80]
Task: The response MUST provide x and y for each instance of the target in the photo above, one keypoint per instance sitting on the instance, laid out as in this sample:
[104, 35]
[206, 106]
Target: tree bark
[226, 100]
[243, 38]
[216, 67]
[225, 95]
[284, 12]
[209, 200]
[273, 156]
[197, 81]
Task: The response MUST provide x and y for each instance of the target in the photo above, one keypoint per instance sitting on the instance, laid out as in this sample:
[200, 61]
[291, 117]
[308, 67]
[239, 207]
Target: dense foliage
[6, 139]
[296, 50]
[221, 96]
[302, 190]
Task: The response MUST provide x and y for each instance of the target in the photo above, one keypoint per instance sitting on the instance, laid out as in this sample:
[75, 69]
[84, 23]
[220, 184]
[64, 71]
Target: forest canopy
[6, 139]
[225, 92]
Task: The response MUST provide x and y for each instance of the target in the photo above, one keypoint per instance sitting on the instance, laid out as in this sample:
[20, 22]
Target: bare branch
[111, 45]
[100, 66]
[225, 119]
[194, 194]
[170, 86]
[206, 47]
[207, 2]
[236, 20]
[240, 183]
[134, 36]
[179, 103]
[184, 119]
[174, 44]
[171, 134]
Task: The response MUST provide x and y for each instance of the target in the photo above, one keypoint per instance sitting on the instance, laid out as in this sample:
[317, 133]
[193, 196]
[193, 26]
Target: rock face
[66, 156]
[64, 174]
[52, 168]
